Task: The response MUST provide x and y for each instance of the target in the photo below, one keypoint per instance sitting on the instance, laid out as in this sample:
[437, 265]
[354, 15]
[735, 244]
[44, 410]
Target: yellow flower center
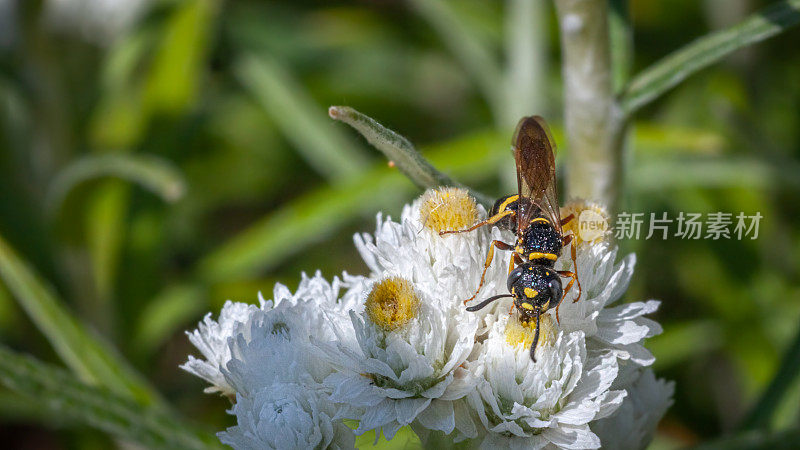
[448, 208]
[392, 303]
[521, 333]
[589, 222]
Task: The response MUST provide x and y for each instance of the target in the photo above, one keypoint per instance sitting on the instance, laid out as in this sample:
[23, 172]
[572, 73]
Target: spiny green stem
[398, 150]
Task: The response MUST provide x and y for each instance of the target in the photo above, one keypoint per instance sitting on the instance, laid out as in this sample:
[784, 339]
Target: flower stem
[593, 122]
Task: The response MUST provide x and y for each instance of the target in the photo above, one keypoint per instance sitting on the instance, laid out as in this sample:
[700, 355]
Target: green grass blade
[155, 174]
[326, 149]
[397, 149]
[317, 215]
[470, 50]
[106, 229]
[779, 440]
[177, 69]
[107, 207]
[54, 391]
[176, 305]
[684, 341]
[787, 375]
[674, 68]
[662, 173]
[92, 360]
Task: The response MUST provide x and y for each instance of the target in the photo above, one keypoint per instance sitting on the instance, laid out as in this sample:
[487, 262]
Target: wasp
[533, 215]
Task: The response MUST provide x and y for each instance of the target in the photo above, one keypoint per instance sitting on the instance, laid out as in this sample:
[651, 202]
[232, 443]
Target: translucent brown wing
[534, 151]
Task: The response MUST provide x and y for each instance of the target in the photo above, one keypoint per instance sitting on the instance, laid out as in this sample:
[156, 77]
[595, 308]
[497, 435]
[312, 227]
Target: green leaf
[398, 150]
[92, 359]
[52, 390]
[318, 214]
[326, 149]
[153, 173]
[676, 67]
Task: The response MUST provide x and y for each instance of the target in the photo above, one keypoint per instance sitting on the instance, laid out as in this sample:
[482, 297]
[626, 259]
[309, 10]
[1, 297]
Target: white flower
[277, 374]
[399, 348]
[551, 402]
[211, 338]
[632, 426]
[523, 404]
[621, 328]
[391, 376]
[286, 416]
[405, 366]
[318, 303]
[447, 268]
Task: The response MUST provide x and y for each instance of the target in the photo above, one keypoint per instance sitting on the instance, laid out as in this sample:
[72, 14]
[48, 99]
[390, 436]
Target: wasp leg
[515, 259]
[491, 220]
[568, 219]
[502, 246]
[574, 256]
[574, 277]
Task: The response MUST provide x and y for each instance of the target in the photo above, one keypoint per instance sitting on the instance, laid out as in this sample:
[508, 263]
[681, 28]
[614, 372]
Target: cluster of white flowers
[398, 348]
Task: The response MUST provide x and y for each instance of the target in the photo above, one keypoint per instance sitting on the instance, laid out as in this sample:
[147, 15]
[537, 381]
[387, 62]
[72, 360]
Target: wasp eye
[513, 277]
[555, 289]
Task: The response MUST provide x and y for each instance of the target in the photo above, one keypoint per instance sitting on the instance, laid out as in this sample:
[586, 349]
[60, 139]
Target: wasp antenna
[535, 336]
[483, 304]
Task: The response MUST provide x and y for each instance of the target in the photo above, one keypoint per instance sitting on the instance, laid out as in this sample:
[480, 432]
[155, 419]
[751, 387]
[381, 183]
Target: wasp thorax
[520, 331]
[447, 208]
[589, 223]
[392, 303]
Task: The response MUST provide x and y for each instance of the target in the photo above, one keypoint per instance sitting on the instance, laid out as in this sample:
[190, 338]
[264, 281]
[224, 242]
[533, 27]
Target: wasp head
[535, 288]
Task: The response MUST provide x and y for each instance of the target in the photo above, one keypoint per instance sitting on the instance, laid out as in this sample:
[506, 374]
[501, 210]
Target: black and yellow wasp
[534, 216]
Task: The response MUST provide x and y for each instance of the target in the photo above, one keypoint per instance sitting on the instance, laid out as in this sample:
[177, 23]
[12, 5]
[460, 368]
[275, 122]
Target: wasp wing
[534, 152]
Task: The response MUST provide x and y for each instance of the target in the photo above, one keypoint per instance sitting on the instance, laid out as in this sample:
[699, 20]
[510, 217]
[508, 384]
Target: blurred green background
[160, 157]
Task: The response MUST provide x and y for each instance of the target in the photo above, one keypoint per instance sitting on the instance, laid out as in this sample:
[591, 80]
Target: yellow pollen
[392, 303]
[530, 293]
[527, 306]
[447, 209]
[521, 333]
[589, 224]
